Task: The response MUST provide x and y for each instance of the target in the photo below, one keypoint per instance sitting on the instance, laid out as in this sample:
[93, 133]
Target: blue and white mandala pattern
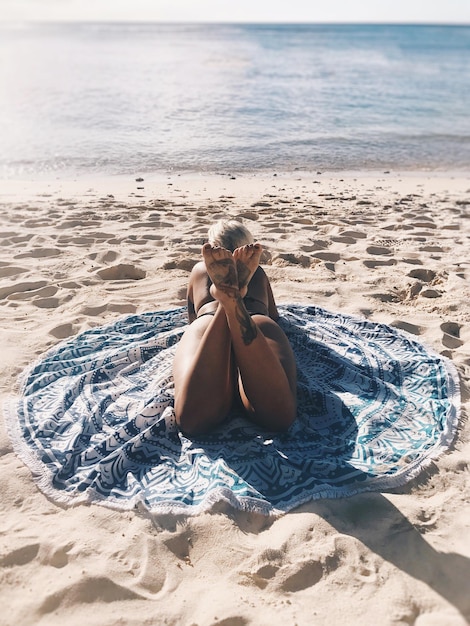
[95, 420]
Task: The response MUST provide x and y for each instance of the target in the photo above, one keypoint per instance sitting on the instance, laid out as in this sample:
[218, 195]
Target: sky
[363, 11]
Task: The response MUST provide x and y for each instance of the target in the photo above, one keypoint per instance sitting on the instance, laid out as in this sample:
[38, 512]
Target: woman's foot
[247, 261]
[221, 268]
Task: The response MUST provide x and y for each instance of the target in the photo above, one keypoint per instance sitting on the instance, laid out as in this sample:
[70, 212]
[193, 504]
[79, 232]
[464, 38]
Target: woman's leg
[204, 374]
[262, 352]
[269, 393]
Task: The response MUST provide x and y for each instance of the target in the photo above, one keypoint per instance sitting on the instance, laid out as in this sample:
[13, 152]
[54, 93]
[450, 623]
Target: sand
[390, 247]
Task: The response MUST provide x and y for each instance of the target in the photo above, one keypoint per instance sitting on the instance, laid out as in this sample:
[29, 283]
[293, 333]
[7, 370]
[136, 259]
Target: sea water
[134, 98]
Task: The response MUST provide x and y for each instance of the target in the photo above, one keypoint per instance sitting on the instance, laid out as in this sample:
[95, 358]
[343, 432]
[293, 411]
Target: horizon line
[230, 22]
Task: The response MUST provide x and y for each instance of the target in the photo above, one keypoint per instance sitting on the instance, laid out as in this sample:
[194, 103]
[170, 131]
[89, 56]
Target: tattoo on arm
[248, 328]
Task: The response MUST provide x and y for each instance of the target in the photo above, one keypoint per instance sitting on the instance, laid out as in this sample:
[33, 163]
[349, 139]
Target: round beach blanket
[95, 419]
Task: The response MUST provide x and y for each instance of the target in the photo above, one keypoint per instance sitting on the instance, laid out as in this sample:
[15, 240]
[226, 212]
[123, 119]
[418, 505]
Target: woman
[233, 350]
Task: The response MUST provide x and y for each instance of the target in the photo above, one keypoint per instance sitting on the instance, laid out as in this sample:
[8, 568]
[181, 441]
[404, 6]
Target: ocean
[134, 98]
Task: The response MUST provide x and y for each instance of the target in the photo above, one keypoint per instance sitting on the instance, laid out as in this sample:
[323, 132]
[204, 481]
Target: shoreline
[78, 185]
[392, 248]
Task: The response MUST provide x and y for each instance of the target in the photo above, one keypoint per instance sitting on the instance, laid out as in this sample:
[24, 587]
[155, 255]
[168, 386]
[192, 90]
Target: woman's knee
[199, 421]
[283, 419]
[277, 417]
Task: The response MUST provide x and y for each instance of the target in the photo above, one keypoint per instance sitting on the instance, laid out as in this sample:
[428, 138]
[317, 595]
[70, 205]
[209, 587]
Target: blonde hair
[229, 234]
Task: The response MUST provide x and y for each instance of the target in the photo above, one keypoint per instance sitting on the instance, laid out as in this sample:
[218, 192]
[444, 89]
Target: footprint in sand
[248, 215]
[262, 204]
[122, 271]
[27, 287]
[8, 270]
[424, 224]
[180, 264]
[451, 335]
[63, 331]
[266, 257]
[332, 257]
[81, 241]
[70, 284]
[93, 311]
[287, 257]
[39, 253]
[342, 239]
[432, 248]
[302, 220]
[308, 248]
[45, 292]
[158, 240]
[69, 224]
[142, 224]
[90, 589]
[234, 620]
[25, 238]
[354, 234]
[104, 257]
[55, 556]
[299, 576]
[39, 223]
[19, 556]
[46, 303]
[385, 297]
[412, 261]
[122, 308]
[8, 234]
[430, 293]
[316, 244]
[410, 328]
[379, 250]
[180, 545]
[426, 276]
[263, 575]
[268, 563]
[426, 520]
[376, 263]
[413, 290]
[151, 579]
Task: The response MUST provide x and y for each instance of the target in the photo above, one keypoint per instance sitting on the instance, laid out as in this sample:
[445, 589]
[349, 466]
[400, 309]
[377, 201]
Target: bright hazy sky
[416, 11]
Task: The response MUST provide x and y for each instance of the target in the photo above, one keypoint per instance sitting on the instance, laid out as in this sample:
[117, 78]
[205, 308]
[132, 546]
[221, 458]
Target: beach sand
[390, 247]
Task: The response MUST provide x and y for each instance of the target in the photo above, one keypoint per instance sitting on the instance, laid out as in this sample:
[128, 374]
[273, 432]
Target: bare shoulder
[261, 275]
[272, 308]
[196, 286]
[198, 271]
[199, 268]
[197, 278]
[261, 272]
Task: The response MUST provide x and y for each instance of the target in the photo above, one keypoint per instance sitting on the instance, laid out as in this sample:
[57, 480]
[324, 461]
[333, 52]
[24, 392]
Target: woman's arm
[190, 301]
[272, 308]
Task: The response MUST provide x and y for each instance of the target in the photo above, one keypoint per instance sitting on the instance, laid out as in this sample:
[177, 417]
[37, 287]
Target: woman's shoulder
[261, 274]
[198, 269]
